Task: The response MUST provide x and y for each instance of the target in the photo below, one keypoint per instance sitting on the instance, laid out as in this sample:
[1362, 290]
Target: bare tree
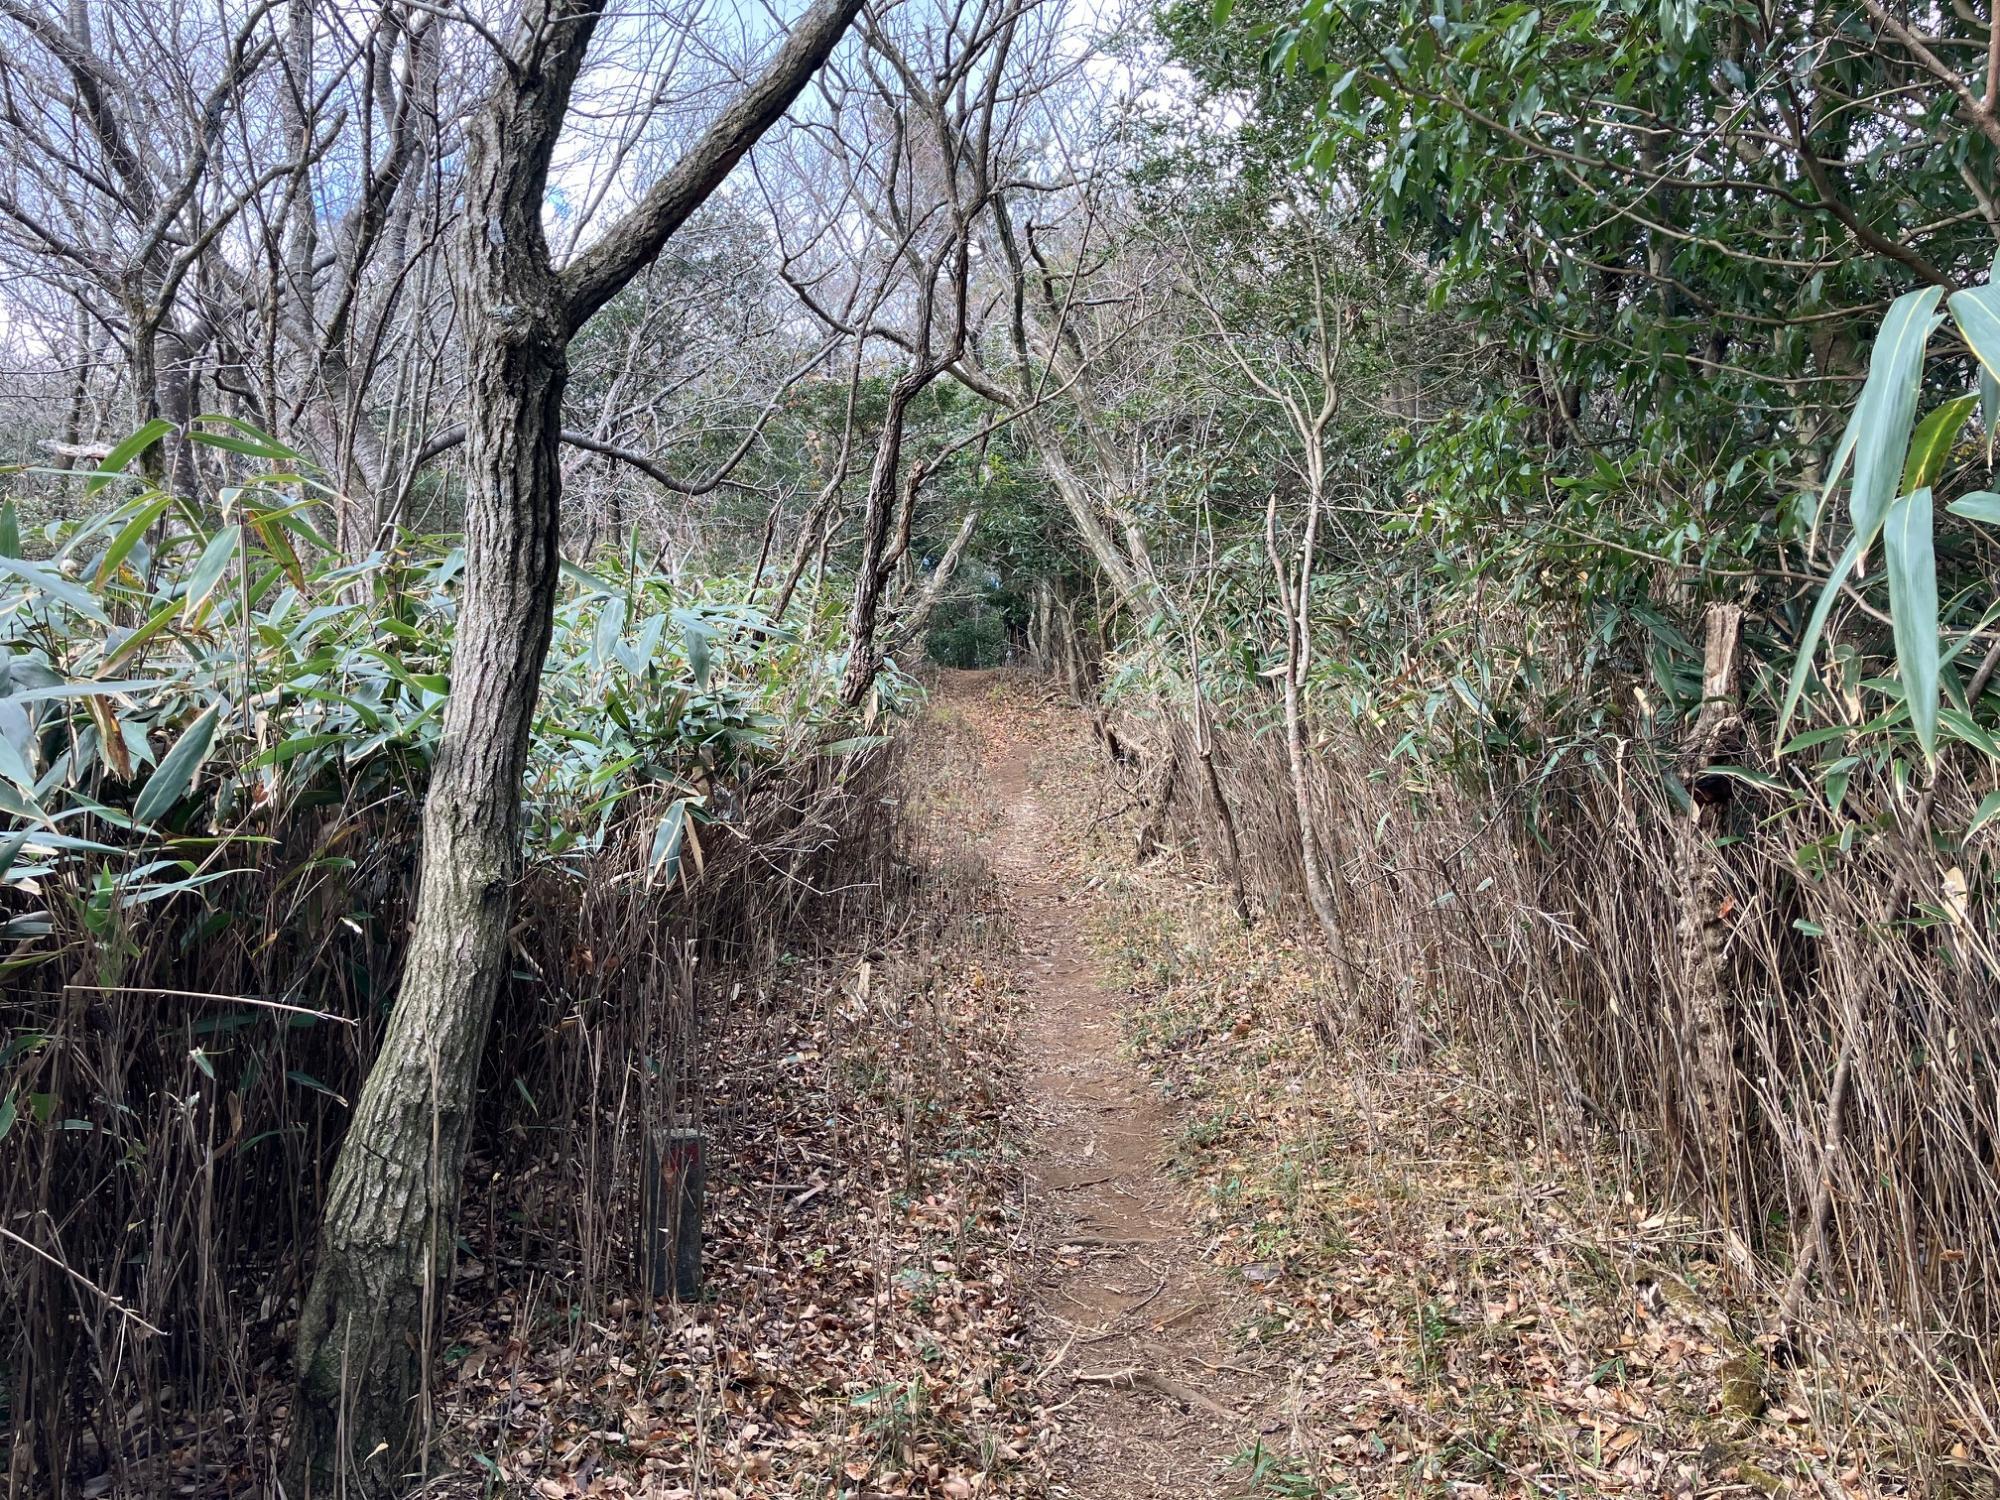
[1074, 297]
[191, 224]
[115, 176]
[1301, 378]
[921, 134]
[387, 1235]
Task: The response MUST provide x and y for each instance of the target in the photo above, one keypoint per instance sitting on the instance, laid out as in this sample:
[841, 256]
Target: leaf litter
[862, 1332]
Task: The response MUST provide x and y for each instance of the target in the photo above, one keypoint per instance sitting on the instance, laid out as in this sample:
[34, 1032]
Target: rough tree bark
[386, 1235]
[1716, 739]
[364, 1340]
[872, 576]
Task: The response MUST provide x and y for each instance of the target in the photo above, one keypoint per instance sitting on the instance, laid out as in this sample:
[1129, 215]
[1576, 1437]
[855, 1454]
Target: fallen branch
[1134, 1378]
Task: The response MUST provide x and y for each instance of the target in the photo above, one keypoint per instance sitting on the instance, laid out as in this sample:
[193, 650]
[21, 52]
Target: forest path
[1133, 1323]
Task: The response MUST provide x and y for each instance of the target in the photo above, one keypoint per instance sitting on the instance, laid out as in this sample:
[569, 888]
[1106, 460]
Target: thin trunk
[142, 367]
[1292, 600]
[1151, 831]
[1232, 850]
[1318, 895]
[1705, 901]
[913, 621]
[1118, 565]
[1204, 749]
[79, 392]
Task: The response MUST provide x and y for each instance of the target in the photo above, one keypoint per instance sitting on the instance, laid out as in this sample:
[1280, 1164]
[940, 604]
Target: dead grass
[1459, 1306]
[863, 1330]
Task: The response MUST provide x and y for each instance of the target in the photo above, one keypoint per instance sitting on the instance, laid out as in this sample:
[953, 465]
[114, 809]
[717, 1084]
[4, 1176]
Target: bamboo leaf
[1913, 607]
[1888, 405]
[665, 858]
[1815, 627]
[36, 840]
[253, 440]
[698, 635]
[609, 631]
[1963, 727]
[271, 536]
[298, 745]
[1836, 470]
[585, 580]
[49, 581]
[1935, 437]
[1989, 809]
[14, 766]
[1977, 313]
[1980, 505]
[176, 772]
[1815, 737]
[116, 460]
[62, 692]
[215, 561]
[246, 447]
[130, 646]
[125, 453]
[1989, 383]
[128, 538]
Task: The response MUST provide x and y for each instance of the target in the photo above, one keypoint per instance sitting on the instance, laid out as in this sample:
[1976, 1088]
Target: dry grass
[186, 1199]
[862, 1330]
[1447, 1159]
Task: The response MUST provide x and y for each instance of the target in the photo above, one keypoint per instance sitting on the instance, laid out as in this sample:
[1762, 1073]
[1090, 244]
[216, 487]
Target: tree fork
[360, 1421]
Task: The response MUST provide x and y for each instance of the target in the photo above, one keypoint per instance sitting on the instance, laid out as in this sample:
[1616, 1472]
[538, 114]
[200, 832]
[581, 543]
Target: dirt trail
[1134, 1324]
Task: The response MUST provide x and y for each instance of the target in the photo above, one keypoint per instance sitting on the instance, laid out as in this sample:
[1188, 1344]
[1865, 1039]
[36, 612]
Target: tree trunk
[142, 368]
[1318, 894]
[387, 1234]
[388, 1230]
[361, 1420]
[1705, 899]
[1204, 749]
[870, 575]
[79, 393]
[1152, 832]
[1294, 596]
[1232, 849]
[916, 619]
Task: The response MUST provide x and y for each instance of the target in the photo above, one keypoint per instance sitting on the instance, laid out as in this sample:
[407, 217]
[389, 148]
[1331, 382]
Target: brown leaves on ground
[862, 1333]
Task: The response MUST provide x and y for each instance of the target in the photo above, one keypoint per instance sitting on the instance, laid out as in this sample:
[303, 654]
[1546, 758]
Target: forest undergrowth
[861, 1325]
[1452, 1303]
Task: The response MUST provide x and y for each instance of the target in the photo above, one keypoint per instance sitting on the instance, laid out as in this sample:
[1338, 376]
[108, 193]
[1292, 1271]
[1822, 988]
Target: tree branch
[596, 276]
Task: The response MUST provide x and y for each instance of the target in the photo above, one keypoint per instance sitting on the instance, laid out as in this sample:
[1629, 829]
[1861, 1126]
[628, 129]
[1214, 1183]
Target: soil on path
[1134, 1324]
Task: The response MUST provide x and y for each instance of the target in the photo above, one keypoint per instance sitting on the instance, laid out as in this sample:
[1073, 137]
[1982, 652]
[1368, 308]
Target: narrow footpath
[1133, 1323]
[1263, 1266]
